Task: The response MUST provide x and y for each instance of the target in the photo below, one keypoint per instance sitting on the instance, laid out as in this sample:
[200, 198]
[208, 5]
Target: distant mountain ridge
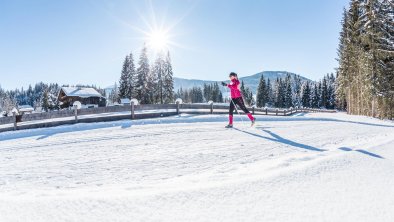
[250, 81]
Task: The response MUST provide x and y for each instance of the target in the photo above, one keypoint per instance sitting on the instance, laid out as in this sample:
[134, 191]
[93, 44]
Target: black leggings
[240, 102]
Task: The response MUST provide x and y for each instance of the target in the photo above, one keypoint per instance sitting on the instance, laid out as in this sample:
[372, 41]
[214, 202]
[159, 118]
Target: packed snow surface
[307, 167]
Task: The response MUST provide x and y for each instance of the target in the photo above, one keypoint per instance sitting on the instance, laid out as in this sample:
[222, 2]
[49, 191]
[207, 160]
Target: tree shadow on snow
[48, 132]
[347, 149]
[276, 138]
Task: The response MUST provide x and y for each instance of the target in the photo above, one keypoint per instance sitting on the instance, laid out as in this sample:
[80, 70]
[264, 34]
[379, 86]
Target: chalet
[25, 109]
[88, 97]
[125, 101]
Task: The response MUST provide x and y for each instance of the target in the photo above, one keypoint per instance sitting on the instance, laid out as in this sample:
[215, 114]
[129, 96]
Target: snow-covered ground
[308, 167]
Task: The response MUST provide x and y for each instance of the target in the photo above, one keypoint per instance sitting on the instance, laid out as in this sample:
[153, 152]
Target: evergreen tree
[270, 93]
[297, 91]
[278, 95]
[365, 81]
[45, 101]
[124, 82]
[168, 81]
[132, 78]
[143, 72]
[246, 94]
[114, 95]
[306, 95]
[217, 94]
[288, 98]
[331, 97]
[157, 80]
[324, 93]
[343, 59]
[196, 95]
[207, 91]
[315, 97]
[262, 93]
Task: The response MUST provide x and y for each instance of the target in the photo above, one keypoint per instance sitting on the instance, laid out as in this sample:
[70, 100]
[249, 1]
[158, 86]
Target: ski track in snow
[309, 167]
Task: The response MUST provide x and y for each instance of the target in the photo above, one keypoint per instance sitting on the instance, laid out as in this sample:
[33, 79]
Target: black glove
[224, 84]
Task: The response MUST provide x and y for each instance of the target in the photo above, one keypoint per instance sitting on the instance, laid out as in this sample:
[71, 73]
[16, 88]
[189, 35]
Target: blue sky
[85, 41]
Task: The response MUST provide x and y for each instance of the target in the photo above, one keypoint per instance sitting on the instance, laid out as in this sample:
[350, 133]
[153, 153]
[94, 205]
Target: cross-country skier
[236, 99]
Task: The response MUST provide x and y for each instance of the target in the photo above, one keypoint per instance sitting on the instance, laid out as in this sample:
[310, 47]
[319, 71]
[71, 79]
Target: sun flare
[158, 40]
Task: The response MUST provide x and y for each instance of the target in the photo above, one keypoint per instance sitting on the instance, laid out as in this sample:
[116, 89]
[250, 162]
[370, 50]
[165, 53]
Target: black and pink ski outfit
[236, 98]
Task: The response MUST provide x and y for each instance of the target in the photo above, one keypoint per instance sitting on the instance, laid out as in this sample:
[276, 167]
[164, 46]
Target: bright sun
[158, 40]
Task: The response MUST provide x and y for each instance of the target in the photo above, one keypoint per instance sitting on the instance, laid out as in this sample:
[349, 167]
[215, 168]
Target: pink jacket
[235, 92]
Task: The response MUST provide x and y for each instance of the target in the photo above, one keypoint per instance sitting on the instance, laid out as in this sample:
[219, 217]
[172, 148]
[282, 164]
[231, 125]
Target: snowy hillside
[309, 167]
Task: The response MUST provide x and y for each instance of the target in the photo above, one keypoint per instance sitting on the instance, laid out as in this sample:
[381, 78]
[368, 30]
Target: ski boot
[253, 122]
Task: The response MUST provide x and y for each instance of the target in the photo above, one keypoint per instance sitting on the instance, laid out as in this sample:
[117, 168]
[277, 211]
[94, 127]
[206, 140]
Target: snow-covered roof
[125, 101]
[25, 108]
[81, 92]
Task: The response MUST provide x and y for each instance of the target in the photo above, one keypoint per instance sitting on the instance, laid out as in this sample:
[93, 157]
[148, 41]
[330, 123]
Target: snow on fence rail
[113, 113]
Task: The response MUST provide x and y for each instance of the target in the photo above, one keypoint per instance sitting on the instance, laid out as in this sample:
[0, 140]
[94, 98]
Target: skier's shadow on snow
[302, 118]
[279, 139]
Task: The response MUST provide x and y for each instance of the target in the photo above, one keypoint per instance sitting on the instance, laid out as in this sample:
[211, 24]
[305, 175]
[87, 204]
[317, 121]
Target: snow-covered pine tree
[114, 94]
[277, 93]
[355, 24]
[319, 94]
[331, 91]
[270, 93]
[157, 79]
[153, 93]
[262, 93]
[124, 81]
[186, 96]
[168, 85]
[45, 101]
[378, 47]
[288, 98]
[246, 94]
[297, 91]
[306, 94]
[133, 79]
[143, 71]
[343, 53]
[216, 94]
[315, 96]
[220, 96]
[324, 93]
[366, 59]
[207, 92]
[196, 95]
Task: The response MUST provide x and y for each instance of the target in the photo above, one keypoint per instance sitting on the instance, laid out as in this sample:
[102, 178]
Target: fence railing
[113, 113]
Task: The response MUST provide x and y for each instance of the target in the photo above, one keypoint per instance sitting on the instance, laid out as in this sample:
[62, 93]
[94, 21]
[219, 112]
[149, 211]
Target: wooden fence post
[76, 113]
[177, 107]
[266, 111]
[132, 110]
[253, 110]
[211, 108]
[277, 110]
[15, 124]
[284, 112]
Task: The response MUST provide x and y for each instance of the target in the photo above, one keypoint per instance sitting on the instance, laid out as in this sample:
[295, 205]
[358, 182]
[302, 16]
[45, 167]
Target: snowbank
[309, 167]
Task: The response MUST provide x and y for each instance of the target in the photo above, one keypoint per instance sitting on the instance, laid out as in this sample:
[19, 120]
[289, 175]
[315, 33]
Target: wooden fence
[113, 113]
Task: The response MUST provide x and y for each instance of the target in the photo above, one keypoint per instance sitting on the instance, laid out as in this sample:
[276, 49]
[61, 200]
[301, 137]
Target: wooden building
[88, 97]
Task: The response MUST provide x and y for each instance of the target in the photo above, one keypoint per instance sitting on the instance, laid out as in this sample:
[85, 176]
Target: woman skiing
[236, 99]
